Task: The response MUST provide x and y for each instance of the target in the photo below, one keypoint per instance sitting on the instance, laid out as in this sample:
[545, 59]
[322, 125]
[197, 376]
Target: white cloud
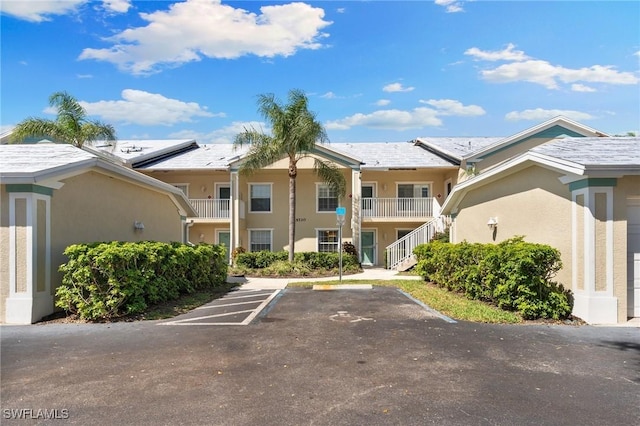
[452, 6]
[224, 135]
[82, 76]
[147, 109]
[524, 68]
[507, 54]
[329, 95]
[44, 10]
[582, 88]
[39, 10]
[453, 107]
[396, 87]
[383, 102]
[540, 114]
[389, 119]
[403, 120]
[118, 6]
[548, 75]
[341, 10]
[191, 30]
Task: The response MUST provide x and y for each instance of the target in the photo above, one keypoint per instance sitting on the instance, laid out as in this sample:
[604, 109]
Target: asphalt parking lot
[323, 358]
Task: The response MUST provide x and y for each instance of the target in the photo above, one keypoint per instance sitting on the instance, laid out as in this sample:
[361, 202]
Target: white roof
[133, 151]
[391, 155]
[47, 164]
[25, 159]
[209, 156]
[611, 151]
[458, 147]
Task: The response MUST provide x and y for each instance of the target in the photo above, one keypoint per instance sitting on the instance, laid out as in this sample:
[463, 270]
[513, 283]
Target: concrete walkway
[279, 283]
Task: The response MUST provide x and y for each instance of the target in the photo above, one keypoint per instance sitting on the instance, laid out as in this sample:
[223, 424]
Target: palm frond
[332, 176]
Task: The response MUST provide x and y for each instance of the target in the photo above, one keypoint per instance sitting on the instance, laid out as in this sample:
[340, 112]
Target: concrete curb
[325, 287]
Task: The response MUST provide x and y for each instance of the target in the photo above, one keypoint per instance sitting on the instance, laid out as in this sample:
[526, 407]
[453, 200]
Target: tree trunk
[292, 217]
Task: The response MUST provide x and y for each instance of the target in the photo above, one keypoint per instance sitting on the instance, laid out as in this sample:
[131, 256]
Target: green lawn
[446, 302]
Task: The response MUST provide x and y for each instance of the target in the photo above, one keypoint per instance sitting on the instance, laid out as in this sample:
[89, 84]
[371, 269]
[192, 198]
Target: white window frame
[322, 185]
[184, 187]
[446, 190]
[337, 243]
[218, 186]
[251, 230]
[373, 185]
[270, 185]
[428, 184]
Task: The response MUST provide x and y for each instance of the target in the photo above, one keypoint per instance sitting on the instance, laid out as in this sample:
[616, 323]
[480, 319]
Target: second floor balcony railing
[208, 208]
[381, 208]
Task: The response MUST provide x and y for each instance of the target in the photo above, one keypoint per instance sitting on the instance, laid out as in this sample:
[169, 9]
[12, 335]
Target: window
[328, 240]
[260, 195]
[259, 239]
[410, 190]
[327, 198]
[184, 187]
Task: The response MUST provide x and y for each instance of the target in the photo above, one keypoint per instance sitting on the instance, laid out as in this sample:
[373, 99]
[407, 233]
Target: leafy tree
[71, 126]
[295, 133]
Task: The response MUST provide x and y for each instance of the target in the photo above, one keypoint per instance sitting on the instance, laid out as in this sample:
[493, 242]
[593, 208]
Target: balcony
[397, 208]
[209, 208]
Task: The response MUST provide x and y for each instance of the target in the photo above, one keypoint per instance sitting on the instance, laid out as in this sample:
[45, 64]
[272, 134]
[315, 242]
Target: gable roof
[456, 148]
[576, 157]
[392, 155]
[47, 164]
[555, 127]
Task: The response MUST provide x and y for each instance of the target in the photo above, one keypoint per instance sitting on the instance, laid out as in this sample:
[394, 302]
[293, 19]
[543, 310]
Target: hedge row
[311, 260]
[109, 280]
[513, 275]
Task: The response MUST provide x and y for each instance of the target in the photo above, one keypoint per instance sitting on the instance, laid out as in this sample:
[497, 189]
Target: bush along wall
[513, 275]
[110, 280]
[311, 260]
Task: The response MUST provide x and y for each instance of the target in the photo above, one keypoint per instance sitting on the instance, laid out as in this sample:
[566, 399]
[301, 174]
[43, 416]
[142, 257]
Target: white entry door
[633, 257]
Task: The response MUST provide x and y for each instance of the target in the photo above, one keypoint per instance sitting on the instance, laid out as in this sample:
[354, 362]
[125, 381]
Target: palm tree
[295, 133]
[71, 126]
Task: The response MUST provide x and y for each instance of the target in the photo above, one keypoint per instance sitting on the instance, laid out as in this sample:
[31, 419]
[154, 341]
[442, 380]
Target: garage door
[633, 257]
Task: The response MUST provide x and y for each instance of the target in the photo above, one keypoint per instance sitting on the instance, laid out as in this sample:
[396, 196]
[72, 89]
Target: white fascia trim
[560, 120]
[508, 167]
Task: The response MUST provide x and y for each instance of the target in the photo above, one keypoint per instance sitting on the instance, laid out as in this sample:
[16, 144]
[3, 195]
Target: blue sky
[373, 70]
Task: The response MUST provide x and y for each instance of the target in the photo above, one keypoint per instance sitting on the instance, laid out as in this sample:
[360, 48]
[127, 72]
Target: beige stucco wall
[386, 181]
[201, 184]
[308, 219]
[531, 202]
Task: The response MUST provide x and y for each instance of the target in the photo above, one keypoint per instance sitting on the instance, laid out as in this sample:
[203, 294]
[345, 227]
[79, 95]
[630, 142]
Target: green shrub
[109, 280]
[513, 275]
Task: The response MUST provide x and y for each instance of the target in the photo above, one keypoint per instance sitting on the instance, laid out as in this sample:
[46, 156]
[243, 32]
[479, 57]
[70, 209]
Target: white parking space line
[264, 298]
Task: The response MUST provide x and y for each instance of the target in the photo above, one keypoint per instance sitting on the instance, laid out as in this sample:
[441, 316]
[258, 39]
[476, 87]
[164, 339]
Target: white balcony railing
[397, 207]
[209, 208]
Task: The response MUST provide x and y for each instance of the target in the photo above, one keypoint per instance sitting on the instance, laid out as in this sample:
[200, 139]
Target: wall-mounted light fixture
[203, 188]
[492, 223]
[138, 226]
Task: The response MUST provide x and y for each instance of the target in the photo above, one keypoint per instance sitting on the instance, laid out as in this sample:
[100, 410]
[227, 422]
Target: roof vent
[131, 149]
